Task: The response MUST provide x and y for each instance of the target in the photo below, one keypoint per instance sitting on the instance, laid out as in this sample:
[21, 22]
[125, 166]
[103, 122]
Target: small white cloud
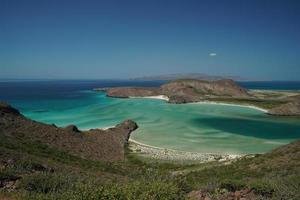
[212, 54]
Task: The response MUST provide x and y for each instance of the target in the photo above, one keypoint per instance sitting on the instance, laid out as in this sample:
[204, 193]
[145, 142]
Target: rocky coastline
[95, 144]
[221, 91]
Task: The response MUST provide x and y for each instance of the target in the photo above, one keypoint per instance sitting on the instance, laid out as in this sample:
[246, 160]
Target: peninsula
[281, 103]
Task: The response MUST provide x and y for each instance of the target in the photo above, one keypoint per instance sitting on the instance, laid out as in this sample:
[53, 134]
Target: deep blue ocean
[45, 89]
[271, 85]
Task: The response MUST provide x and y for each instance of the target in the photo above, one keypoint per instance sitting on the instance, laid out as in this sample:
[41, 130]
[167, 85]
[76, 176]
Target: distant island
[200, 76]
[281, 103]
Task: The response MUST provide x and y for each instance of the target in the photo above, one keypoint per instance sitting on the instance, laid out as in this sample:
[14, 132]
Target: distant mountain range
[201, 76]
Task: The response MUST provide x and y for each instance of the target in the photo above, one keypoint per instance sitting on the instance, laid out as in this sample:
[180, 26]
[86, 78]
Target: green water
[189, 127]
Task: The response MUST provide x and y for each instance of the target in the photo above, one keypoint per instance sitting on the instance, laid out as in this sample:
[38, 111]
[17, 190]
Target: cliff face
[184, 91]
[94, 144]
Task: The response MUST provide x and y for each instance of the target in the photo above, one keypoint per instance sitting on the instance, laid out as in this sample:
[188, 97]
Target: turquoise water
[189, 127]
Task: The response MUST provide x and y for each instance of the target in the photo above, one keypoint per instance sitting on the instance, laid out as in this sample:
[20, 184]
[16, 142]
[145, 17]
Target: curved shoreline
[231, 104]
[177, 155]
[163, 97]
[166, 154]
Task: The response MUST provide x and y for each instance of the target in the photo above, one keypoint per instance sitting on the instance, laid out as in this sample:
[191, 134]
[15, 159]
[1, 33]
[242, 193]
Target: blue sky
[94, 39]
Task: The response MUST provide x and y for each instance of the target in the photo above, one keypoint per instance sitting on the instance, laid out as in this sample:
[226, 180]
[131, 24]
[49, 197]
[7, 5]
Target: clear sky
[94, 39]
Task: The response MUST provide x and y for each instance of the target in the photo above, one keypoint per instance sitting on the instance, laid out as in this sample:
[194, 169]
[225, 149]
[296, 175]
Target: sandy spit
[232, 104]
[163, 97]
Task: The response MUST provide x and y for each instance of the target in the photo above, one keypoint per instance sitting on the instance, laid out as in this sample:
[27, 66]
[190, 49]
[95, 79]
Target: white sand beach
[161, 97]
[164, 97]
[232, 104]
[176, 155]
[181, 156]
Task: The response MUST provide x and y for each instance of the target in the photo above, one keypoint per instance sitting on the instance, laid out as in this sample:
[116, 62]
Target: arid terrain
[39, 161]
[94, 144]
[283, 103]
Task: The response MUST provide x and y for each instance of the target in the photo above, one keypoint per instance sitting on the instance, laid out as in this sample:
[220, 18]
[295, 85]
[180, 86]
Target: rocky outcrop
[8, 182]
[6, 108]
[94, 144]
[72, 128]
[184, 91]
[225, 87]
[292, 108]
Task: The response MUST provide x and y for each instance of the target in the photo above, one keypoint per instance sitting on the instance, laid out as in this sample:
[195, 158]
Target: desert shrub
[5, 174]
[129, 191]
[153, 190]
[287, 188]
[262, 187]
[232, 185]
[38, 188]
[45, 183]
[28, 166]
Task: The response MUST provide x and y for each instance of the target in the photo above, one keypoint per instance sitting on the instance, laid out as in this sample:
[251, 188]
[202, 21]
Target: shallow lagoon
[194, 127]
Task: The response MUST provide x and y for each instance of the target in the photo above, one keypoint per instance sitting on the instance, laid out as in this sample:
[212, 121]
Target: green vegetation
[38, 171]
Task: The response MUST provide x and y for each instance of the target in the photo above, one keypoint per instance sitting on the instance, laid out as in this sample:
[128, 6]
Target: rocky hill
[291, 108]
[190, 90]
[94, 144]
[184, 91]
[223, 91]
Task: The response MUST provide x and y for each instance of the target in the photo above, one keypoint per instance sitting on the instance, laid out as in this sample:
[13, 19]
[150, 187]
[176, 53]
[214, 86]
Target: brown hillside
[94, 144]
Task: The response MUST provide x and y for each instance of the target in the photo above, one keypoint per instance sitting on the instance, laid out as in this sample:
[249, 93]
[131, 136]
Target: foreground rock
[94, 144]
[183, 91]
